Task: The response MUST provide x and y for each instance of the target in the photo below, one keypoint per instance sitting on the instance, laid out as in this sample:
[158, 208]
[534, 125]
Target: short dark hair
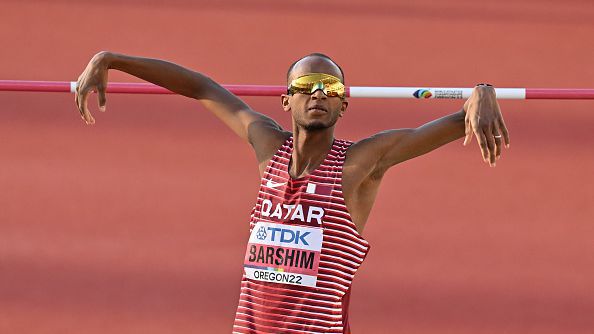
[315, 54]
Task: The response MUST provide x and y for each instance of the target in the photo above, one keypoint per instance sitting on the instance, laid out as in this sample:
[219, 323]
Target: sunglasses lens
[308, 84]
[298, 90]
[316, 86]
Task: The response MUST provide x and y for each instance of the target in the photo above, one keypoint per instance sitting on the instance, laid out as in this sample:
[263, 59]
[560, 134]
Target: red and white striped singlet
[303, 250]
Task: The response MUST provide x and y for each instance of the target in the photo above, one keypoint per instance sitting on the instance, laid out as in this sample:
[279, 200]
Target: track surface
[138, 224]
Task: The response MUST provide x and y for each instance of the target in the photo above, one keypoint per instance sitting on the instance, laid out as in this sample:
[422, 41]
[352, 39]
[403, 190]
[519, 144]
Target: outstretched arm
[259, 130]
[480, 117]
[369, 159]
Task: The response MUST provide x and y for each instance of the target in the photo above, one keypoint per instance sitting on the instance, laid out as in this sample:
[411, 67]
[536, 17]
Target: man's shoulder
[364, 154]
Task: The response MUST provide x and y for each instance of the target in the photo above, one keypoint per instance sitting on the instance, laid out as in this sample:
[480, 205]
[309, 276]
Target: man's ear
[343, 108]
[285, 102]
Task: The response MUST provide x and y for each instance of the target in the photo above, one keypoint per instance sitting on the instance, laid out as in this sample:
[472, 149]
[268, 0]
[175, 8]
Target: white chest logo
[271, 184]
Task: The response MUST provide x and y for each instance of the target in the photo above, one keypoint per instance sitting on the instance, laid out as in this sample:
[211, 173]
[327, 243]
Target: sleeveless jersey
[303, 250]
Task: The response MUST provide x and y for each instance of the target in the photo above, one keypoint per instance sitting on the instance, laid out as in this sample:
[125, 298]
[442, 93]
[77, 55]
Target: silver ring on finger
[498, 136]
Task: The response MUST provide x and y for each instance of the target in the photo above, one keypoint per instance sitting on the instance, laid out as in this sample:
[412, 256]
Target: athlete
[316, 192]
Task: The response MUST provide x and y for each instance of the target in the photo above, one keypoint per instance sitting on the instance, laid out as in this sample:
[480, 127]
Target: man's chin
[316, 126]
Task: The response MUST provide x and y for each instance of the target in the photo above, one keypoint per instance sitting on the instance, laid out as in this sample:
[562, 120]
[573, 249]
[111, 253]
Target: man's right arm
[262, 132]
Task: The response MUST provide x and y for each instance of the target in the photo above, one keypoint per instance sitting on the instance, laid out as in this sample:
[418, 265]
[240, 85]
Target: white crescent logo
[271, 184]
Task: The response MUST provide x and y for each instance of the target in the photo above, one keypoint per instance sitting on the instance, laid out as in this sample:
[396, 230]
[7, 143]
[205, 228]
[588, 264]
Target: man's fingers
[503, 131]
[488, 133]
[101, 97]
[497, 152]
[482, 140]
[78, 100]
[497, 136]
[468, 132]
[86, 114]
[84, 105]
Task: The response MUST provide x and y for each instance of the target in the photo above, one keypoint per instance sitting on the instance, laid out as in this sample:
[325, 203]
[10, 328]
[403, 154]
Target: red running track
[138, 224]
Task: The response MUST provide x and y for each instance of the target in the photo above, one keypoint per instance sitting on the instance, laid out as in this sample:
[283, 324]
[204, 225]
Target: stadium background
[138, 224]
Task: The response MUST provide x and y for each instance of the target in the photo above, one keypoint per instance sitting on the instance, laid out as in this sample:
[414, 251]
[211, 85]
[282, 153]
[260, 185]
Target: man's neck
[310, 148]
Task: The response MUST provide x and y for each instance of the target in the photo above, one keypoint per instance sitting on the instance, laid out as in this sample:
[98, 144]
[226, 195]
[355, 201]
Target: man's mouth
[317, 108]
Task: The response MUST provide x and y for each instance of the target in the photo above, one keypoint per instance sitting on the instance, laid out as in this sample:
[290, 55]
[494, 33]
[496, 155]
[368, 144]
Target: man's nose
[318, 94]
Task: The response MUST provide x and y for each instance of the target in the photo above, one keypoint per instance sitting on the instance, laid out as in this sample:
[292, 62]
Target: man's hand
[484, 119]
[92, 79]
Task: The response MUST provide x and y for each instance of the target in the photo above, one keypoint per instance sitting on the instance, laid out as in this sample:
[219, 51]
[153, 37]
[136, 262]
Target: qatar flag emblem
[318, 189]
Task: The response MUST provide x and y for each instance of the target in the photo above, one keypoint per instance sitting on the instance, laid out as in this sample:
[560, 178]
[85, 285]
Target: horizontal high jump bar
[263, 90]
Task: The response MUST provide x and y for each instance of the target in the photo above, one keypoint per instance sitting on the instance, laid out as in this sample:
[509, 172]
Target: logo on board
[422, 94]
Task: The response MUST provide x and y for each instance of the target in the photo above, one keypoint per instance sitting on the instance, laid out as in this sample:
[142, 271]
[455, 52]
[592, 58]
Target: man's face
[316, 111]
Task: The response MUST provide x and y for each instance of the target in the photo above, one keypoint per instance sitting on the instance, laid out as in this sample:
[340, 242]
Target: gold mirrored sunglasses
[308, 84]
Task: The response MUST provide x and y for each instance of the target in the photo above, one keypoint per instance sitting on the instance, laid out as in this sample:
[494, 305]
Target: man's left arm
[480, 116]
